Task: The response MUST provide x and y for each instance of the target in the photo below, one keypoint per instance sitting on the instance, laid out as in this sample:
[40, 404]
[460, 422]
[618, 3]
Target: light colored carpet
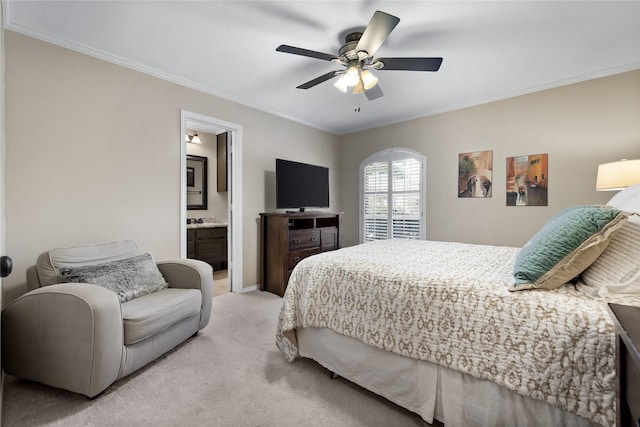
[231, 374]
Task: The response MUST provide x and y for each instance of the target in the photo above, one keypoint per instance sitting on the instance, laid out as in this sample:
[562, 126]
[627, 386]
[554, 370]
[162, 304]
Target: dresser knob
[296, 259]
[296, 240]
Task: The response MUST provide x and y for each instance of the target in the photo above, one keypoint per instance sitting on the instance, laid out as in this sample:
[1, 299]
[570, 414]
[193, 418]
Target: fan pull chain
[356, 107]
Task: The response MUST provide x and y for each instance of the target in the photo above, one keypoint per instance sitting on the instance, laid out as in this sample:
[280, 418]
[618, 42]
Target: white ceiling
[492, 49]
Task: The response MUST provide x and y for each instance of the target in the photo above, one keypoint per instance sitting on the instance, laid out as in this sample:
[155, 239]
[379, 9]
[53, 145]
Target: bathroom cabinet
[208, 244]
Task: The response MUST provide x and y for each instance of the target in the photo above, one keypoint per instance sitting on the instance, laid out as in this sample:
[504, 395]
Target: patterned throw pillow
[129, 278]
[565, 246]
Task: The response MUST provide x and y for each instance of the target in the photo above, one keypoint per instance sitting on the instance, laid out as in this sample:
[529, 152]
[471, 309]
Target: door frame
[2, 190]
[199, 122]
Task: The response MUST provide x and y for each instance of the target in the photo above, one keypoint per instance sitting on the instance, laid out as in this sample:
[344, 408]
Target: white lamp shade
[618, 175]
[196, 139]
[352, 77]
[368, 79]
[341, 85]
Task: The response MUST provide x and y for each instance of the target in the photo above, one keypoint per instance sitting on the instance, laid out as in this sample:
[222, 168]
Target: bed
[437, 328]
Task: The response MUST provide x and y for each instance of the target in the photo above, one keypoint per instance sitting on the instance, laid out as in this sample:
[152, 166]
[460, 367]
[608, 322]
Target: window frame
[390, 155]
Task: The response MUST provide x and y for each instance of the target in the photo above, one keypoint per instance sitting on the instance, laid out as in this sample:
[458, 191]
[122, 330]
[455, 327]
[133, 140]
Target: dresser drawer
[304, 239]
[297, 256]
[210, 233]
[329, 238]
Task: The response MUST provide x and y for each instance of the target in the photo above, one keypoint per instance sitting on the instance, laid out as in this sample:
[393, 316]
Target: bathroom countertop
[208, 225]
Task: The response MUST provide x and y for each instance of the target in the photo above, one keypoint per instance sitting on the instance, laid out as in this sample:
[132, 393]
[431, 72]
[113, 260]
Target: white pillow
[618, 267]
[628, 200]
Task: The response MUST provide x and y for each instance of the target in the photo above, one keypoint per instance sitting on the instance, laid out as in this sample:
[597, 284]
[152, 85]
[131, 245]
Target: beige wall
[579, 126]
[93, 154]
[217, 203]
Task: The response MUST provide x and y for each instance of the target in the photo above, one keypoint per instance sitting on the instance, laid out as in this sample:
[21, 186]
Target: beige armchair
[82, 337]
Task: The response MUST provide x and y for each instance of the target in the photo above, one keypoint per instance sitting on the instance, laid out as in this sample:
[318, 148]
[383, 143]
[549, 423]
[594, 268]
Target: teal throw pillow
[566, 245]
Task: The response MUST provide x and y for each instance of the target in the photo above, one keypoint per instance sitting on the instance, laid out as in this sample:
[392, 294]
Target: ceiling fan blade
[318, 80]
[411, 64]
[374, 93]
[305, 52]
[377, 31]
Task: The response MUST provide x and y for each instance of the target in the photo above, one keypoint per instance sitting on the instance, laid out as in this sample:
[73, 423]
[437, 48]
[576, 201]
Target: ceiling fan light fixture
[368, 79]
[352, 76]
[341, 85]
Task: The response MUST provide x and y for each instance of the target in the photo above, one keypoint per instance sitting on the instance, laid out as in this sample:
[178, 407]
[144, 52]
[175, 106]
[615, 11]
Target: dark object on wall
[197, 193]
[222, 161]
[300, 185]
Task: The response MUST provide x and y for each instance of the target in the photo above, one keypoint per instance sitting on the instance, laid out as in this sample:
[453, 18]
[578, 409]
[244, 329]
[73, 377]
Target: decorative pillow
[129, 278]
[565, 246]
[618, 268]
[627, 200]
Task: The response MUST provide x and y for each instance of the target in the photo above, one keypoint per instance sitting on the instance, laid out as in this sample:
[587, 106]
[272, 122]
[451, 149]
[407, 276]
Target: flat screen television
[300, 185]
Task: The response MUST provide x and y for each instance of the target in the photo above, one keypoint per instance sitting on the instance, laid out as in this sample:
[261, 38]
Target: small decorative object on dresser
[627, 321]
[288, 238]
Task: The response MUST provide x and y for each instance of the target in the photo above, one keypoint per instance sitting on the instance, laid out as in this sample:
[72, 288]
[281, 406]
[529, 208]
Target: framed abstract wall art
[527, 180]
[475, 174]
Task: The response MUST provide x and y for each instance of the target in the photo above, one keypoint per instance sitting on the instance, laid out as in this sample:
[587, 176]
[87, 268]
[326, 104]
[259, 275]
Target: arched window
[392, 195]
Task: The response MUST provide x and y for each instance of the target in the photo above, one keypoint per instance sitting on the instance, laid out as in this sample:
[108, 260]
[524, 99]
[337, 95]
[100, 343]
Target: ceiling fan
[356, 55]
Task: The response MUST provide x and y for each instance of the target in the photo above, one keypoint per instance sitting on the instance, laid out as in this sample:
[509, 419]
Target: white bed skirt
[429, 390]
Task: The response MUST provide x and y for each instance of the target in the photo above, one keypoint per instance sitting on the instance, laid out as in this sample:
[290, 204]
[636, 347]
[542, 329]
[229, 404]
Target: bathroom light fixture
[194, 139]
[618, 175]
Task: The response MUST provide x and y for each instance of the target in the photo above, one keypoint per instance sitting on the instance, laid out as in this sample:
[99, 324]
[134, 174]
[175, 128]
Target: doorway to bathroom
[210, 196]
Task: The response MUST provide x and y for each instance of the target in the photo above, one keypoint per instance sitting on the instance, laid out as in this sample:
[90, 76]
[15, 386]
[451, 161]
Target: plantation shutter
[406, 199]
[376, 201]
[392, 196]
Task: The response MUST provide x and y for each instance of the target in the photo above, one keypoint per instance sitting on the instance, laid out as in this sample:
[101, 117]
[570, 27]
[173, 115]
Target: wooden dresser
[627, 321]
[288, 238]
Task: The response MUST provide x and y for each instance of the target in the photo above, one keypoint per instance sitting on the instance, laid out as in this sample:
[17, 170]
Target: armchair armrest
[68, 335]
[191, 274]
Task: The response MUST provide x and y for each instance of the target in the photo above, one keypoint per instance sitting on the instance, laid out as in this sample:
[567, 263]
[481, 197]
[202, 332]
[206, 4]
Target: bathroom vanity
[208, 242]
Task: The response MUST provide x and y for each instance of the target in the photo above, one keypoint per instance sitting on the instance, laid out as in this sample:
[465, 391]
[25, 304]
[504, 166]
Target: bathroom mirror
[196, 182]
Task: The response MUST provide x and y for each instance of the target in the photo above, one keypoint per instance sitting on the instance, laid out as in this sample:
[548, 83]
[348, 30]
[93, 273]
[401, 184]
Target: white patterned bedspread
[448, 303]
